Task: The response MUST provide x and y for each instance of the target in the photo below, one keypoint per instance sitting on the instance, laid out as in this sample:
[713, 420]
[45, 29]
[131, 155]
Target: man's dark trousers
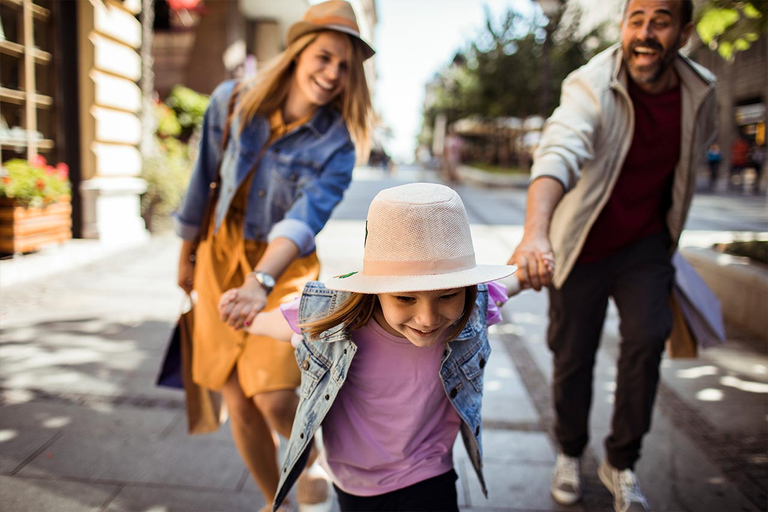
[639, 278]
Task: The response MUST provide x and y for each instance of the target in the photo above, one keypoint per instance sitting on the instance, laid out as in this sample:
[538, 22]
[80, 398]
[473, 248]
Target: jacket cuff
[297, 232]
[551, 166]
[185, 230]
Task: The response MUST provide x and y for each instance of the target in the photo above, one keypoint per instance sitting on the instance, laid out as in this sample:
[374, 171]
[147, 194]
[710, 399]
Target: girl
[283, 168]
[392, 357]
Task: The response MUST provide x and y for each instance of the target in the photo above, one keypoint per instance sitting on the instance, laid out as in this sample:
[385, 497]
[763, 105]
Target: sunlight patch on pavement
[743, 385]
[699, 371]
[710, 395]
[7, 434]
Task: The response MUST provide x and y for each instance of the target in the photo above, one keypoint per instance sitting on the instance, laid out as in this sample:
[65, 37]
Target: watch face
[266, 279]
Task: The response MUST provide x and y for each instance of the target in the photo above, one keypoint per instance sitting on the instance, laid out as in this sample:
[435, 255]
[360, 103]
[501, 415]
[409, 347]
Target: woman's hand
[186, 277]
[239, 306]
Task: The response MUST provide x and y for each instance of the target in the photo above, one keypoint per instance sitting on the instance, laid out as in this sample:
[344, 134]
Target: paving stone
[102, 418]
[515, 487]
[134, 458]
[505, 398]
[43, 495]
[17, 445]
[140, 498]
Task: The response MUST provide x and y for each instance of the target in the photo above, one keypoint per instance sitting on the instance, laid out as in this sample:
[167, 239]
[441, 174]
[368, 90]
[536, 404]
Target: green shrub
[167, 170]
[189, 107]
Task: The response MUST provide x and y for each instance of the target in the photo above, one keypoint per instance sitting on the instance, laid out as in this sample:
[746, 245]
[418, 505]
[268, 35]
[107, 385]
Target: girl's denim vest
[324, 364]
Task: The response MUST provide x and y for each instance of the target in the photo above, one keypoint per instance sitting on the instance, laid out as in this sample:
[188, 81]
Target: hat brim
[361, 283]
[301, 28]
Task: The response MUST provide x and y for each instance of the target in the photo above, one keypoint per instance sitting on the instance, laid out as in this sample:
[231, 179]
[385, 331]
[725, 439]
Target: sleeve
[569, 135]
[316, 202]
[290, 311]
[497, 296]
[189, 216]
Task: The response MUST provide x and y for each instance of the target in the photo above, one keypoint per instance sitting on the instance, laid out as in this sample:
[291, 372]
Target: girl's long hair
[357, 311]
[269, 89]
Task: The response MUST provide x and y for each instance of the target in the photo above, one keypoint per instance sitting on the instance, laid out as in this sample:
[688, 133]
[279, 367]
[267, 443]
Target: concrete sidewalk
[82, 426]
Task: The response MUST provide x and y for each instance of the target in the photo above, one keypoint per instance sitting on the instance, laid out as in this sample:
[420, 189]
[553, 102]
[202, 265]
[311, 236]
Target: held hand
[186, 278]
[239, 306]
[535, 262]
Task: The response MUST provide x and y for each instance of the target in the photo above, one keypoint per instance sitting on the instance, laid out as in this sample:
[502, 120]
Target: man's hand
[239, 306]
[535, 262]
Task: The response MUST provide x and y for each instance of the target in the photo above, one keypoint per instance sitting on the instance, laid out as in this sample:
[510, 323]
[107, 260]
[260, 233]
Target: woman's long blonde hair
[357, 311]
[269, 89]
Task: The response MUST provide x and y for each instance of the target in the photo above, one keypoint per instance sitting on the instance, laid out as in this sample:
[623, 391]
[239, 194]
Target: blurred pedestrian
[757, 162]
[612, 182]
[452, 157]
[288, 160]
[713, 160]
[739, 161]
[393, 356]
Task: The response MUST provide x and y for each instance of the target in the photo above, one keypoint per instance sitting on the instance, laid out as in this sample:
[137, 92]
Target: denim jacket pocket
[312, 370]
[474, 367]
[290, 175]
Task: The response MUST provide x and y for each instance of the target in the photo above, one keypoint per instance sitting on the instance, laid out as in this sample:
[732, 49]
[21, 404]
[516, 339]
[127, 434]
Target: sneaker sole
[606, 480]
[564, 498]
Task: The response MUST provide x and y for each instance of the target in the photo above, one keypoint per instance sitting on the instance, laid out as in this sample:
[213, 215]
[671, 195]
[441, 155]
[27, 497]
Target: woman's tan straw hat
[417, 239]
[333, 15]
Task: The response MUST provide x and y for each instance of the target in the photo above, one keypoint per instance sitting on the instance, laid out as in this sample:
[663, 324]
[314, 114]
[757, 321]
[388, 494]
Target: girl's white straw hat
[417, 239]
[335, 15]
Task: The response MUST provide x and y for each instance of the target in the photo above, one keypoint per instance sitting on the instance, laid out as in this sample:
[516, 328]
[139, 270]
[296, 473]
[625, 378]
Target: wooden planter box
[27, 229]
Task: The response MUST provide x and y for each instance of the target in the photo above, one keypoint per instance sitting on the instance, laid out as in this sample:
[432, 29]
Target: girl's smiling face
[321, 70]
[420, 317]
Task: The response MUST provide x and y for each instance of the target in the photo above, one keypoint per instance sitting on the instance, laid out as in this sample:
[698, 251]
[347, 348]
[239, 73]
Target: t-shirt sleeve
[290, 311]
[497, 296]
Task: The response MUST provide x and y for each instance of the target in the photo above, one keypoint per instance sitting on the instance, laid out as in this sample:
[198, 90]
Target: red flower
[63, 170]
[50, 170]
[40, 184]
[38, 161]
[7, 180]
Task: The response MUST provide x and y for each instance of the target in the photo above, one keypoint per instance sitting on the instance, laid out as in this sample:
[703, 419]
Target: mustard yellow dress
[223, 260]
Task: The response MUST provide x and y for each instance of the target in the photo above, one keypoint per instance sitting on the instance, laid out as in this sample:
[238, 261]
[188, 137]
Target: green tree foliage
[731, 26]
[501, 73]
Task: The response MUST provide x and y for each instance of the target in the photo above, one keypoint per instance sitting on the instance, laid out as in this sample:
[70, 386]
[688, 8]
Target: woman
[288, 160]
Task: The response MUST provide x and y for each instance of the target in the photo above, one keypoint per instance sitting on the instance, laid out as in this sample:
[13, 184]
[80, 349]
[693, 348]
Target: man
[611, 186]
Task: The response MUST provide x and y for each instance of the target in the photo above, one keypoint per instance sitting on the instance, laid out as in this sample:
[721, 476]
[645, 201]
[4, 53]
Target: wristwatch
[265, 280]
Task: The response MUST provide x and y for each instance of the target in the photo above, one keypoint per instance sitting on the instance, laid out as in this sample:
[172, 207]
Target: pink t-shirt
[391, 424]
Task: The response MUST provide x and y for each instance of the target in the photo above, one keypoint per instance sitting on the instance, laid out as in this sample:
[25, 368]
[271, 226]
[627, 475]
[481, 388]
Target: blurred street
[82, 426]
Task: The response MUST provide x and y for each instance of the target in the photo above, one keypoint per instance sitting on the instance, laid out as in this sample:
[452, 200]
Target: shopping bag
[680, 343]
[204, 407]
[700, 307]
[170, 375]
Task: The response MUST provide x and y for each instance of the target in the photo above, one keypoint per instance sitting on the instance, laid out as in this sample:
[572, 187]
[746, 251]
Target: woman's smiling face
[420, 317]
[322, 69]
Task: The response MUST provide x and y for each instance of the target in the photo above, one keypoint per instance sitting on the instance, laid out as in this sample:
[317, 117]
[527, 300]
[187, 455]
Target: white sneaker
[627, 496]
[566, 480]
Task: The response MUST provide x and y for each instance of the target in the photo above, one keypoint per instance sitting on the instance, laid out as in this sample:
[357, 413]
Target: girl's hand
[239, 306]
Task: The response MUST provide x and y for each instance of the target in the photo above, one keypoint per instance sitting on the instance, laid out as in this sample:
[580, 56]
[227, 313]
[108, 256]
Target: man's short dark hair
[686, 11]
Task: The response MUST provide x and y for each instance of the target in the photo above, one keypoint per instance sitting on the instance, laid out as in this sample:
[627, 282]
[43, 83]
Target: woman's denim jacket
[299, 180]
[324, 364]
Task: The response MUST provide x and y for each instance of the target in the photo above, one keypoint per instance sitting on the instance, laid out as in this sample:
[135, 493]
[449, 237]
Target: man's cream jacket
[587, 138]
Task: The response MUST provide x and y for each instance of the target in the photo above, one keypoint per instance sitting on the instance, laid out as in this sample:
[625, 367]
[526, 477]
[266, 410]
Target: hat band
[335, 20]
[417, 268]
